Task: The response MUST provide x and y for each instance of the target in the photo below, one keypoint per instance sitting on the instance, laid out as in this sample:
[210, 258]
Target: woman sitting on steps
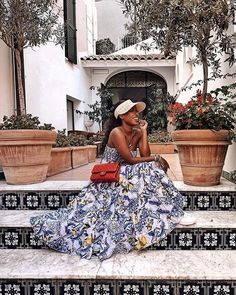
[132, 214]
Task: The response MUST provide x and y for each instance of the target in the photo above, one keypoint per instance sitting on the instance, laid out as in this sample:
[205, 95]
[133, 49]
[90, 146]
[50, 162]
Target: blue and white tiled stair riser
[90, 287]
[216, 240]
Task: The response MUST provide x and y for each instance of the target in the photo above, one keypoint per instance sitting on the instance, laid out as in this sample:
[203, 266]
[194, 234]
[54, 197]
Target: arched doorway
[142, 86]
[137, 85]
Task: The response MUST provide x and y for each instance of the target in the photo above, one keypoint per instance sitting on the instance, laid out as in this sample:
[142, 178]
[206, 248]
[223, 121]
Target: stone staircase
[198, 259]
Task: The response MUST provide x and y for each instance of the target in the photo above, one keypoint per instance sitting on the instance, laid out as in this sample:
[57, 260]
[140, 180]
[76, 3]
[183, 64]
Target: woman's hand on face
[143, 124]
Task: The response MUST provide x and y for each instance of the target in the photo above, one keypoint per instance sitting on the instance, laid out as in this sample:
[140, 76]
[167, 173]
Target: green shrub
[23, 122]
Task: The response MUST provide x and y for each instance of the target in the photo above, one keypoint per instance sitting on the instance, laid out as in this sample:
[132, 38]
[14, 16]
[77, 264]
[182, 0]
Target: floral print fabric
[106, 218]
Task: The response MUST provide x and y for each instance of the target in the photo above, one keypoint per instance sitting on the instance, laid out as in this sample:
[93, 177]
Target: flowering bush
[205, 112]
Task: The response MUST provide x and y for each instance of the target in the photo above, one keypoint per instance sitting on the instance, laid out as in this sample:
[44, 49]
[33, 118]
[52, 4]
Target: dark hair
[110, 124]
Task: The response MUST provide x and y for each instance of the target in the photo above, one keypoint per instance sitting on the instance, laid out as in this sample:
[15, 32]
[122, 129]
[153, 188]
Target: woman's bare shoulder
[115, 131]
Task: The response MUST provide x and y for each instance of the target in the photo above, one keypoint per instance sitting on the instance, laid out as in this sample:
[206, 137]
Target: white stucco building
[56, 86]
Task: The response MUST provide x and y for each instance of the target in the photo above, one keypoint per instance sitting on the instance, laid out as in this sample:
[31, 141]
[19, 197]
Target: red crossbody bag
[106, 172]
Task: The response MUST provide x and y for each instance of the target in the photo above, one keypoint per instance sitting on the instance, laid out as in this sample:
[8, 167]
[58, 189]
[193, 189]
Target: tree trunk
[205, 74]
[21, 108]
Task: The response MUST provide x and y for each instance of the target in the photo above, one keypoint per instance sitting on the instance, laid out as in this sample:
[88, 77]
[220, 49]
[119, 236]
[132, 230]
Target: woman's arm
[117, 139]
[143, 144]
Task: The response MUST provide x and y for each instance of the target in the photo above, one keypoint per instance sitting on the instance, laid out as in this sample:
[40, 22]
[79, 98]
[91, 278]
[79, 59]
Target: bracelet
[157, 158]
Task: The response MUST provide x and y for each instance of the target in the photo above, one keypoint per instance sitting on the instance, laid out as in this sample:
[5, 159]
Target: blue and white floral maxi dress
[109, 218]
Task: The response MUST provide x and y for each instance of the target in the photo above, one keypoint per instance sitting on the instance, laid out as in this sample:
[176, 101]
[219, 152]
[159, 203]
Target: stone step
[51, 195]
[212, 230]
[140, 273]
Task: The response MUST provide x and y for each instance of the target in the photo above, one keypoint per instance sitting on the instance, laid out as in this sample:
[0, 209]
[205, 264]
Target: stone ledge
[145, 265]
[69, 185]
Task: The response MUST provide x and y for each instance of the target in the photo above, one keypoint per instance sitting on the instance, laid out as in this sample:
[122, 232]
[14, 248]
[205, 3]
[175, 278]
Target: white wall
[111, 20]
[49, 77]
[6, 82]
[91, 26]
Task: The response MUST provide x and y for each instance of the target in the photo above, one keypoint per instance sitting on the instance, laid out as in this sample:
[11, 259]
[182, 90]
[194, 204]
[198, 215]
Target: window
[70, 115]
[70, 30]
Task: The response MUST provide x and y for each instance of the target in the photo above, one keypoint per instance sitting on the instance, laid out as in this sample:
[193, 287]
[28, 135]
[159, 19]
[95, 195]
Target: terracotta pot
[162, 148]
[79, 156]
[92, 152]
[202, 155]
[61, 160]
[25, 154]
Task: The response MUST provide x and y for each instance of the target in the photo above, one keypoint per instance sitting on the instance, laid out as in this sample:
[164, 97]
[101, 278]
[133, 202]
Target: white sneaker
[187, 219]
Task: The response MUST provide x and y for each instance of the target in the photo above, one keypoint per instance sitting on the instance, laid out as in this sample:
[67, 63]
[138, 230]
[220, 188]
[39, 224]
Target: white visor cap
[127, 105]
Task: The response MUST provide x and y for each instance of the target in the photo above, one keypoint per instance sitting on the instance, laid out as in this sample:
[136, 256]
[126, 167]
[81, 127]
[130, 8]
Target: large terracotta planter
[79, 156]
[162, 148]
[92, 152]
[60, 160]
[201, 154]
[25, 155]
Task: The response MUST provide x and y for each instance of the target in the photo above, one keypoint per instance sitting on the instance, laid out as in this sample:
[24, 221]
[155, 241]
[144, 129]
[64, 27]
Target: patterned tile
[191, 288]
[186, 239]
[13, 288]
[211, 239]
[225, 201]
[203, 201]
[131, 288]
[70, 196]
[118, 287]
[161, 288]
[54, 200]
[42, 288]
[178, 239]
[32, 242]
[230, 239]
[11, 201]
[32, 201]
[187, 200]
[101, 288]
[71, 288]
[221, 288]
[165, 244]
[11, 238]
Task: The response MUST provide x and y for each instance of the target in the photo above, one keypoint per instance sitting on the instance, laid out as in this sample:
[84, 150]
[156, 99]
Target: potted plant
[80, 150]
[60, 155]
[25, 148]
[202, 135]
[100, 110]
[104, 46]
[156, 112]
[70, 151]
[160, 142]
[93, 147]
[202, 24]
[27, 24]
